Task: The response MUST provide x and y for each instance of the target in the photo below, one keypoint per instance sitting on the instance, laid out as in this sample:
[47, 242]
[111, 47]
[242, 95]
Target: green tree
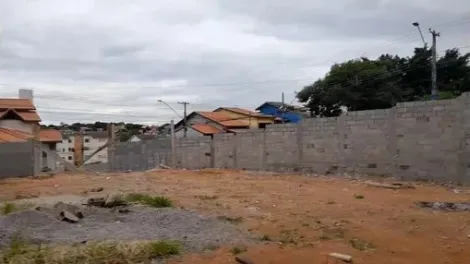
[364, 84]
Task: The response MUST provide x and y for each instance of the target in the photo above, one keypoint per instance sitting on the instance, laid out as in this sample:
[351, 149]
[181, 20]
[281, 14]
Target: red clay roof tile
[17, 104]
[12, 135]
[206, 129]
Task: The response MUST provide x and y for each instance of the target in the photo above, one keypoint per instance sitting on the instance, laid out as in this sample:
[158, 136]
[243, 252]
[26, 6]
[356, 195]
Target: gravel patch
[194, 231]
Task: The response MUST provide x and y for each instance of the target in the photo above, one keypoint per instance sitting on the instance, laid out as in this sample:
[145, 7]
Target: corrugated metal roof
[206, 129]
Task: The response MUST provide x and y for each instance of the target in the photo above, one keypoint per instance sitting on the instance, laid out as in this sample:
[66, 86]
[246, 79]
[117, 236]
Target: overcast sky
[111, 60]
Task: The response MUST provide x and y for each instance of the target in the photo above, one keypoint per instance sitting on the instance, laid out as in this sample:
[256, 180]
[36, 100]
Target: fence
[416, 140]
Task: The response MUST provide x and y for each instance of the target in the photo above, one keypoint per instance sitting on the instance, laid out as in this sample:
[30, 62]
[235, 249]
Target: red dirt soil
[303, 218]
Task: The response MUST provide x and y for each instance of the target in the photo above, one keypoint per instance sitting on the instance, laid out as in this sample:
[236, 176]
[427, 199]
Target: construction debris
[99, 189]
[165, 167]
[243, 260]
[394, 186]
[446, 206]
[342, 257]
[68, 210]
[111, 200]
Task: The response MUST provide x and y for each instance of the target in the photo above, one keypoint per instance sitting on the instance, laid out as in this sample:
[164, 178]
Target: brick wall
[415, 140]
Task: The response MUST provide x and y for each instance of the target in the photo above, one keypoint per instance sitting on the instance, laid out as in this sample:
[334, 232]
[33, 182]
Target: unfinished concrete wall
[139, 156]
[16, 159]
[191, 153]
[194, 153]
[415, 140]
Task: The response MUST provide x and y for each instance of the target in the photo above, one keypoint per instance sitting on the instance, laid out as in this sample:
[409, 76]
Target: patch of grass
[332, 233]
[206, 197]
[211, 247]
[290, 236]
[359, 196]
[163, 248]
[361, 244]
[231, 219]
[8, 208]
[238, 250]
[44, 176]
[98, 252]
[148, 200]
[265, 238]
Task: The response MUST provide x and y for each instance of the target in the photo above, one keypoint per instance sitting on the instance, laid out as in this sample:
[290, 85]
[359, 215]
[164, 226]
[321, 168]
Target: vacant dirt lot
[298, 219]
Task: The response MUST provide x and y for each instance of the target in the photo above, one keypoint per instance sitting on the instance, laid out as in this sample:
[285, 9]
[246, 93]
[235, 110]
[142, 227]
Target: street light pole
[434, 91]
[416, 24]
[171, 108]
[184, 118]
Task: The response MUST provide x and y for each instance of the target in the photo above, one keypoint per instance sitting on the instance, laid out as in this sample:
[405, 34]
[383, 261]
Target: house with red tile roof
[253, 119]
[208, 123]
[221, 120]
[18, 121]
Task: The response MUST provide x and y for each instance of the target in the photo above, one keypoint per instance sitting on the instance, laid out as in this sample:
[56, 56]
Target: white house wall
[90, 145]
[64, 149]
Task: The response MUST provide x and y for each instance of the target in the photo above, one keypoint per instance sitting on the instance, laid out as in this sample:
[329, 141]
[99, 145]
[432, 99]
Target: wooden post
[173, 144]
[37, 154]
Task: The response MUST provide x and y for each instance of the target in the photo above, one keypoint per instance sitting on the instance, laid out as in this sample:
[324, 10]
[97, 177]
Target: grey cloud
[121, 56]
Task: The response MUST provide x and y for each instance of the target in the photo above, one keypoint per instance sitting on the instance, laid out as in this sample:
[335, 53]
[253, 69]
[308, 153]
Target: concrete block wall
[282, 148]
[465, 153]
[414, 140]
[427, 142]
[139, 156]
[224, 146]
[16, 159]
[194, 153]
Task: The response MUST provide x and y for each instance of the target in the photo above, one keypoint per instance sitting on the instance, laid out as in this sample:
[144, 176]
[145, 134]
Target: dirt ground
[299, 219]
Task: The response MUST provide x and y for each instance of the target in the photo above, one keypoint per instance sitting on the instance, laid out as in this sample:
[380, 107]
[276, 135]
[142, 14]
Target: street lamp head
[160, 101]
[416, 24]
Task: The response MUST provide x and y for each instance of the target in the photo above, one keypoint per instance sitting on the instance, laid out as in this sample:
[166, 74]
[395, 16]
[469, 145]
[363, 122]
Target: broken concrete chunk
[97, 201]
[243, 260]
[68, 217]
[70, 208]
[342, 257]
[446, 206]
[394, 186]
[99, 189]
[114, 199]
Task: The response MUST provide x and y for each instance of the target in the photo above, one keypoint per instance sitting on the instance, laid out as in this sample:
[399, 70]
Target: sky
[113, 60]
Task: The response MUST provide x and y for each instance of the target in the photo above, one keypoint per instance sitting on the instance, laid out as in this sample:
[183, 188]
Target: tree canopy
[363, 84]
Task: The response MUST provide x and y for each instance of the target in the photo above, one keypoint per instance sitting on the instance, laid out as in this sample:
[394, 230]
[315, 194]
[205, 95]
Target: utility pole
[184, 117]
[282, 108]
[434, 91]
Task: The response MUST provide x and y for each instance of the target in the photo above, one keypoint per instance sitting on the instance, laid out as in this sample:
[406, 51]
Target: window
[70, 141]
[63, 150]
[70, 158]
[87, 140]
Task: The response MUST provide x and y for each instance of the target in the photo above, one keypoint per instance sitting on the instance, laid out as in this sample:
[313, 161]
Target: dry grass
[108, 252]
[148, 200]
[9, 208]
[325, 212]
